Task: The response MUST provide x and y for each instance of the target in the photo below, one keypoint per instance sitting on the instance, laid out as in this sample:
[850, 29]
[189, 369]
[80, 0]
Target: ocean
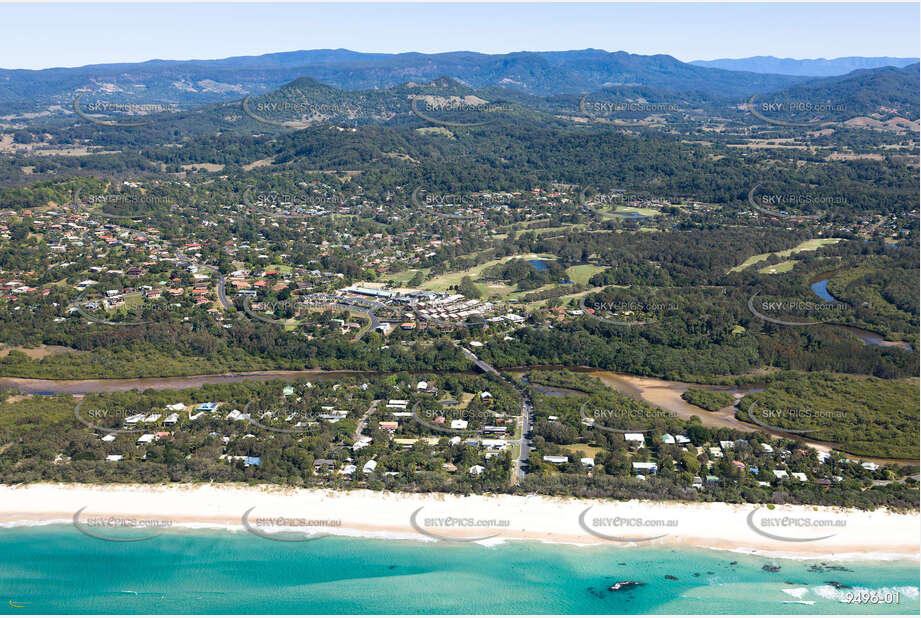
[56, 569]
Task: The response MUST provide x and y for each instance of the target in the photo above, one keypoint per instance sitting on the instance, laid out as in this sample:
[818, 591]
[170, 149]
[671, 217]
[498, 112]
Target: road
[484, 367]
[527, 416]
[221, 282]
[357, 307]
[520, 465]
[221, 288]
[364, 420]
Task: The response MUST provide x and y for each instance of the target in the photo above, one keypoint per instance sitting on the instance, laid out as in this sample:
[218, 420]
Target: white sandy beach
[272, 510]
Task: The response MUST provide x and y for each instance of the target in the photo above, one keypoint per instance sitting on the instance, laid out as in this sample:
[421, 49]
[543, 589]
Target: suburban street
[520, 468]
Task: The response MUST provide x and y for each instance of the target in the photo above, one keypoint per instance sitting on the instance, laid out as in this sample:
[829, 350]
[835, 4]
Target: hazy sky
[48, 35]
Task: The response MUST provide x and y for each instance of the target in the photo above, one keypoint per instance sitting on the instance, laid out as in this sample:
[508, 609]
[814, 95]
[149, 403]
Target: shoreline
[285, 514]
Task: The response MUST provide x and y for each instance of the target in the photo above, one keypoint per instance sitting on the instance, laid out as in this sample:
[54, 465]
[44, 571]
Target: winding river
[820, 289]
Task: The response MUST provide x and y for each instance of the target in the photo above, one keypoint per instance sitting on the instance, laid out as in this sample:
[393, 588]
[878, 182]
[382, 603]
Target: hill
[866, 96]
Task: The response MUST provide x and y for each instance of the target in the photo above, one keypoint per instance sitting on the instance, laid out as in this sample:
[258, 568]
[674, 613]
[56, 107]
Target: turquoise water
[55, 569]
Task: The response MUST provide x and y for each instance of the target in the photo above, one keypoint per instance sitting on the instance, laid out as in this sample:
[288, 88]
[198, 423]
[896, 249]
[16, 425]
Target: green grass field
[443, 283]
[648, 212]
[808, 245]
[404, 277]
[281, 268]
[583, 272]
[780, 267]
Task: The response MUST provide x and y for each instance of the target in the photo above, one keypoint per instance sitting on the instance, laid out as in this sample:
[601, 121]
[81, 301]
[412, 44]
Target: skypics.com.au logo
[791, 312]
[287, 418]
[793, 420]
[128, 307]
[119, 528]
[622, 528]
[461, 206]
[808, 114]
[779, 204]
[794, 529]
[457, 112]
[114, 420]
[291, 308]
[124, 115]
[87, 202]
[623, 419]
[287, 528]
[626, 312]
[298, 110]
[457, 422]
[625, 112]
[456, 527]
[283, 205]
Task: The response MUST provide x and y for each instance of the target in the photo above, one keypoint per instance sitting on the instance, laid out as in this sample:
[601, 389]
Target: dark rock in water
[392, 567]
[696, 574]
[710, 573]
[837, 585]
[622, 563]
[671, 577]
[770, 568]
[734, 562]
[625, 585]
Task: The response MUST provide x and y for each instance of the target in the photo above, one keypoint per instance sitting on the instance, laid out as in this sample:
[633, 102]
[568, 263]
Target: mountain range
[817, 67]
[197, 82]
[295, 89]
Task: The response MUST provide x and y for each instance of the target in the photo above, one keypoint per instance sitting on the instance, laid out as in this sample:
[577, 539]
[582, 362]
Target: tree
[468, 288]
[417, 280]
